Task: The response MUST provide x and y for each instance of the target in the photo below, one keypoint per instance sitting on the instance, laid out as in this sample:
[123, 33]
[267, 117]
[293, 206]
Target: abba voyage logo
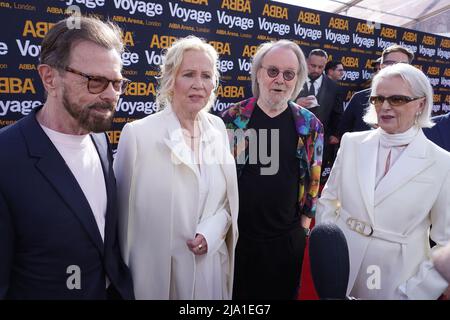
[131, 6]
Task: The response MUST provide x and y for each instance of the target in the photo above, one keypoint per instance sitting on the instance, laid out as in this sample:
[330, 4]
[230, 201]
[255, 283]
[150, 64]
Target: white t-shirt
[81, 156]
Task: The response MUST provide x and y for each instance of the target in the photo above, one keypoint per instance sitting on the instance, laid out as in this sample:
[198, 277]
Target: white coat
[393, 262]
[159, 202]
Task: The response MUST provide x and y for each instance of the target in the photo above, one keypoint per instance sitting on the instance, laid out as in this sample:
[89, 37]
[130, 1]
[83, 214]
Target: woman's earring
[416, 120]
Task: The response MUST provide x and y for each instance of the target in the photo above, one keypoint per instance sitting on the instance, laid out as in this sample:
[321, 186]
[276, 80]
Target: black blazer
[46, 223]
[330, 107]
[440, 133]
[352, 119]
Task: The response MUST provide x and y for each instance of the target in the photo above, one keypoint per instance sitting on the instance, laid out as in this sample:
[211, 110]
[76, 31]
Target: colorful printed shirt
[309, 147]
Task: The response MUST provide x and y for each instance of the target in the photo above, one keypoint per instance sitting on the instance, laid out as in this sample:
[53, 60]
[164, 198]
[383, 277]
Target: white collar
[398, 139]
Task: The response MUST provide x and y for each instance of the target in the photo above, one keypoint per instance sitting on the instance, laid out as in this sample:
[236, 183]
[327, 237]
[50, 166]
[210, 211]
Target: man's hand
[308, 102]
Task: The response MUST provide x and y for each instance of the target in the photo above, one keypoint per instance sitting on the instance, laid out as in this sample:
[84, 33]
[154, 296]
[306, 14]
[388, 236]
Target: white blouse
[390, 148]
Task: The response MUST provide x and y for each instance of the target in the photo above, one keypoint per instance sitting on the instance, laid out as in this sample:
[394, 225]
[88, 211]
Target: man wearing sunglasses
[275, 206]
[352, 119]
[58, 219]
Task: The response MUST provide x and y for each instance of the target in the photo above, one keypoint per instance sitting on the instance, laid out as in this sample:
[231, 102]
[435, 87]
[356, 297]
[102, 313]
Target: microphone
[330, 264]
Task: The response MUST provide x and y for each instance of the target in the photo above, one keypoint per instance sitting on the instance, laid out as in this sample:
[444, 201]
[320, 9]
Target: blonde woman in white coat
[177, 185]
[387, 187]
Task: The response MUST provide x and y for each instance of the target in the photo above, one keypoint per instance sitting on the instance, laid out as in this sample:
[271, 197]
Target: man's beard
[87, 119]
[314, 77]
[275, 103]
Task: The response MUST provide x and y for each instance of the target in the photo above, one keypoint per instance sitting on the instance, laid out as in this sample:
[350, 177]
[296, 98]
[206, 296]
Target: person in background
[334, 70]
[277, 193]
[352, 119]
[322, 96]
[177, 185]
[440, 133]
[58, 213]
[387, 187]
[376, 65]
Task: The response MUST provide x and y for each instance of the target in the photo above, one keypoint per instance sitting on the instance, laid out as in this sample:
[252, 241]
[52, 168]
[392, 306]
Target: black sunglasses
[395, 100]
[273, 72]
[98, 84]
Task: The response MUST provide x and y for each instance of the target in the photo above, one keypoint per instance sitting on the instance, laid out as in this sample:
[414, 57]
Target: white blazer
[159, 201]
[394, 261]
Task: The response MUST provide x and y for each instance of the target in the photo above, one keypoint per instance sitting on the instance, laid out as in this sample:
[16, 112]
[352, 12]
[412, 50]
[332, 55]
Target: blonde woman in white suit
[177, 185]
[385, 190]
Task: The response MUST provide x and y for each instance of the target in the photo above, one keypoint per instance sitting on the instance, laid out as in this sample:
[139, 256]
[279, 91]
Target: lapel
[366, 168]
[244, 112]
[53, 167]
[411, 162]
[101, 144]
[221, 155]
[216, 147]
[236, 119]
[302, 129]
[304, 91]
[322, 91]
[229, 171]
[214, 153]
[175, 141]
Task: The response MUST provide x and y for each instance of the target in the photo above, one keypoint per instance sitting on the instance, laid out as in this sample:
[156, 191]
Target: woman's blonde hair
[172, 60]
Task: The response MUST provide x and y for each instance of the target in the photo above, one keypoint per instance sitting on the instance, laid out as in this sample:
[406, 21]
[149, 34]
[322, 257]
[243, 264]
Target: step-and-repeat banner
[234, 27]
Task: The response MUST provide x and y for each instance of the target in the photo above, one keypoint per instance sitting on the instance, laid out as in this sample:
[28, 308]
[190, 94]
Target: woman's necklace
[188, 135]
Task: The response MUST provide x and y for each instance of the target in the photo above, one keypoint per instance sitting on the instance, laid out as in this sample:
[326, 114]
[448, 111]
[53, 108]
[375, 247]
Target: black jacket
[330, 107]
[47, 228]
